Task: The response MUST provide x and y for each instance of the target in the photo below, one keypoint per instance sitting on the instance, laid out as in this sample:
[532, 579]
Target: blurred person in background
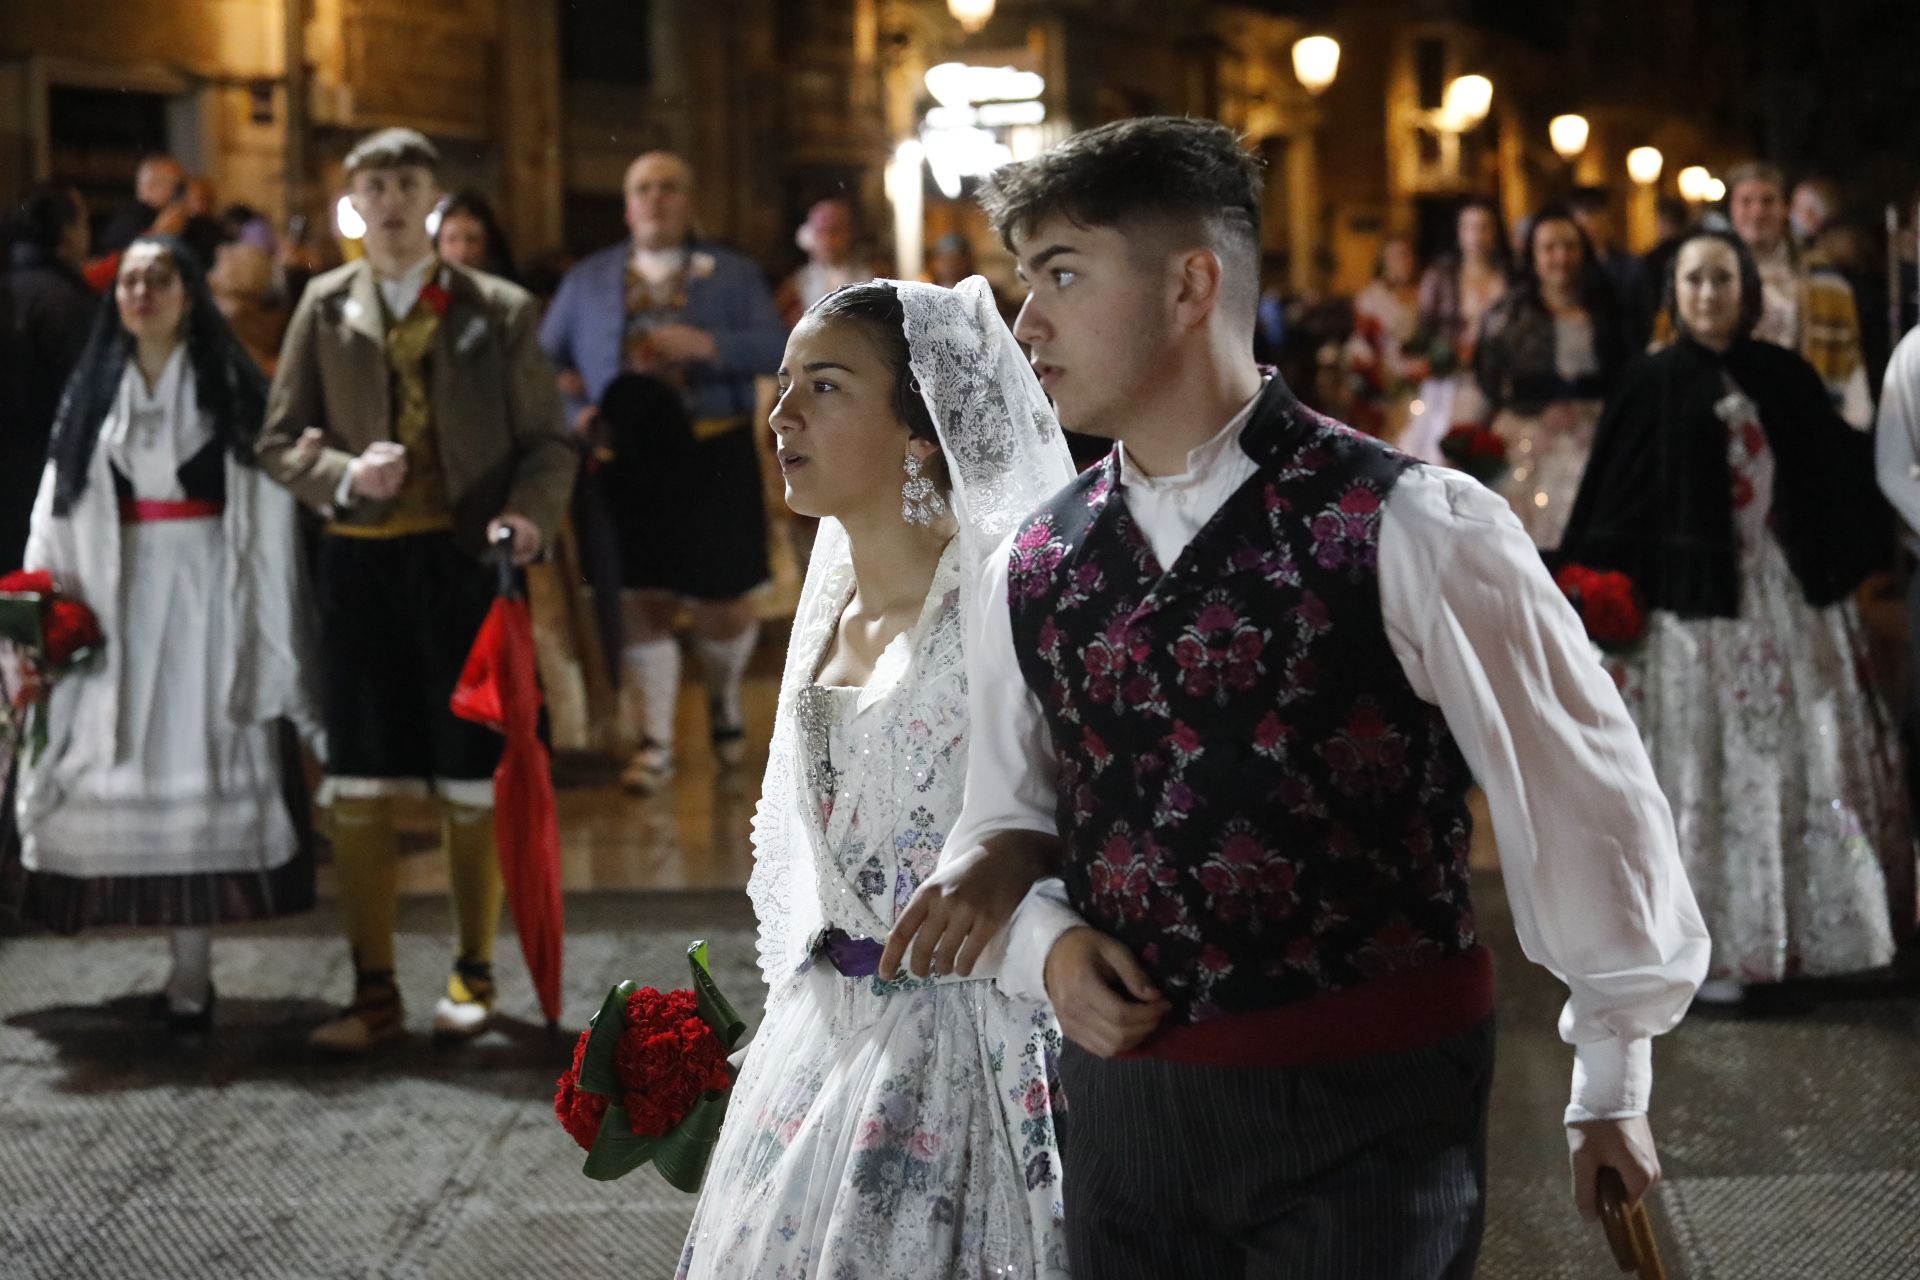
[469, 234]
[1744, 510]
[658, 340]
[1592, 208]
[827, 237]
[412, 405]
[1548, 355]
[159, 184]
[1382, 372]
[50, 310]
[1807, 306]
[1455, 295]
[169, 792]
[1814, 206]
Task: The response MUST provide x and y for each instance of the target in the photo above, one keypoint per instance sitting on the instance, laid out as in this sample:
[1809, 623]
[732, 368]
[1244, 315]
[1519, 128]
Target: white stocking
[653, 667]
[192, 977]
[726, 665]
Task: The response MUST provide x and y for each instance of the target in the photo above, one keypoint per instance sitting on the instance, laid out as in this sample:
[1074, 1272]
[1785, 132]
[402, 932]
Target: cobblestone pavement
[1791, 1143]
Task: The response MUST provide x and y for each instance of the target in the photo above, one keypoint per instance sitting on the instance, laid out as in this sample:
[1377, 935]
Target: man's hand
[379, 471]
[1101, 995]
[963, 906]
[583, 420]
[526, 537]
[307, 449]
[571, 384]
[681, 344]
[1623, 1145]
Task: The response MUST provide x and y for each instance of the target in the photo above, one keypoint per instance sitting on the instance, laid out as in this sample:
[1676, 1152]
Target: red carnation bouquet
[54, 634]
[1476, 450]
[1608, 606]
[650, 1079]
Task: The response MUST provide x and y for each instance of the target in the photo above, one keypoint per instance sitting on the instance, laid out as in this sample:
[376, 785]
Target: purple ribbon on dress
[853, 957]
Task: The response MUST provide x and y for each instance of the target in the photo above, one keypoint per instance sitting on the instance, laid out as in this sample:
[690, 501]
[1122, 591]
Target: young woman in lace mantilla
[886, 1125]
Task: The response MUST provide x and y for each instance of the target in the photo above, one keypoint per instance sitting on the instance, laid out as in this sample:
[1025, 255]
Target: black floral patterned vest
[1253, 797]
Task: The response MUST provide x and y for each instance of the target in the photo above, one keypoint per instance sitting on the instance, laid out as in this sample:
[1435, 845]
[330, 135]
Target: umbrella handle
[1629, 1230]
[503, 561]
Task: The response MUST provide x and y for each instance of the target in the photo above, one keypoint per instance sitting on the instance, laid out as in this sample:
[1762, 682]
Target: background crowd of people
[1548, 335]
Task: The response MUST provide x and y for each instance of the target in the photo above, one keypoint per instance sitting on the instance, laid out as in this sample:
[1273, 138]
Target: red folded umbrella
[499, 688]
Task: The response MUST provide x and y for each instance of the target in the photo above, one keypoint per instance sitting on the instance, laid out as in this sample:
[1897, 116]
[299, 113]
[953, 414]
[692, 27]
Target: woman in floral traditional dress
[889, 1127]
[1382, 370]
[1745, 511]
[1455, 294]
[1549, 352]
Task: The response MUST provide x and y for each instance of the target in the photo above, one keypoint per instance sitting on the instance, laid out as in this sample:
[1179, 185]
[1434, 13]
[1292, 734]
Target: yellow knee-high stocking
[473, 870]
[366, 861]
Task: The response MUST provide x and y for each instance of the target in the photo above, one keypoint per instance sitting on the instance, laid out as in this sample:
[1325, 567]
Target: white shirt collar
[1201, 459]
[402, 291]
[657, 265]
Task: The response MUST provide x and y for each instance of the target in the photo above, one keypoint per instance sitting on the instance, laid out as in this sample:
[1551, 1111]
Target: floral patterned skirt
[1778, 759]
[885, 1130]
[1546, 457]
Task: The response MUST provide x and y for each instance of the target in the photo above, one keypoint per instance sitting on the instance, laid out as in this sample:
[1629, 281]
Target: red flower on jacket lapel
[436, 294]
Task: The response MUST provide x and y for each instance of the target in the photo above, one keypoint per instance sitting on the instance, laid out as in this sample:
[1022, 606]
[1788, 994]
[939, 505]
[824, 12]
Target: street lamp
[1693, 182]
[1569, 136]
[1466, 103]
[1716, 191]
[1643, 165]
[970, 14]
[1316, 61]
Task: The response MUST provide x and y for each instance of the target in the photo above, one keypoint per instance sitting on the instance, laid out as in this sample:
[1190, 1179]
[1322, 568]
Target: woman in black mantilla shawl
[162, 797]
[1725, 485]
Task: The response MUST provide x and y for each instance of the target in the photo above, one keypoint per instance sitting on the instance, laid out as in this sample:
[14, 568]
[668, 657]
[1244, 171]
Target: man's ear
[1197, 278]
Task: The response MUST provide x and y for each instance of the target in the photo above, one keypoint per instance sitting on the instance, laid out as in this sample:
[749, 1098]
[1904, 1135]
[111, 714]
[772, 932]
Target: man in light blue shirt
[658, 341]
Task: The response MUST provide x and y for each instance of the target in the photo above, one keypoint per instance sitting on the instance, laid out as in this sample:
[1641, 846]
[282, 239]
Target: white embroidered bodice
[879, 778]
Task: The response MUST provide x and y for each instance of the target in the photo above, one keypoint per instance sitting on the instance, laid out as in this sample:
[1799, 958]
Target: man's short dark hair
[1148, 177]
[45, 214]
[393, 149]
[1589, 200]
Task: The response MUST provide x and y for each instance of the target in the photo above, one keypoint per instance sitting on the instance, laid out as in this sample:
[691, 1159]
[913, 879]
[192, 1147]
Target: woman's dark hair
[1502, 251]
[228, 385]
[471, 204]
[44, 215]
[1387, 242]
[1751, 297]
[1595, 291]
[876, 307]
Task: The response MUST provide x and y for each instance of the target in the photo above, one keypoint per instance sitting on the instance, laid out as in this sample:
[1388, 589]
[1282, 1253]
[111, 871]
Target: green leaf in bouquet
[596, 1065]
[23, 618]
[617, 1150]
[714, 1007]
[683, 1155]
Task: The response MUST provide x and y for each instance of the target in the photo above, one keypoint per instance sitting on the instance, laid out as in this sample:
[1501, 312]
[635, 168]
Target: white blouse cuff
[1612, 1079]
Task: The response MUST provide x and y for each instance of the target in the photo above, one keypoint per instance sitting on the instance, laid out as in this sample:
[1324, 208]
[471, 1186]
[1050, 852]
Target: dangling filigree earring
[920, 501]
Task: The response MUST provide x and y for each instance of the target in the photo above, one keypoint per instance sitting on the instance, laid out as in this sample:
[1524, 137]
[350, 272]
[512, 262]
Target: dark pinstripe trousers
[1367, 1170]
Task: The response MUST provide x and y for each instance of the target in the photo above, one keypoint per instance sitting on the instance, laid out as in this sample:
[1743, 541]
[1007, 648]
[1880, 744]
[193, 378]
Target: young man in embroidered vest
[1246, 668]
[661, 338]
[413, 406]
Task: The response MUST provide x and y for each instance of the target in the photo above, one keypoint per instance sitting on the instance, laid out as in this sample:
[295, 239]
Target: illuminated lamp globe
[1569, 135]
[1316, 61]
[1693, 182]
[1466, 102]
[970, 14]
[1644, 164]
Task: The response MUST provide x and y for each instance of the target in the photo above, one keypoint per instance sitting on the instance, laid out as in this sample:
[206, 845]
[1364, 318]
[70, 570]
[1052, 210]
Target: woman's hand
[963, 906]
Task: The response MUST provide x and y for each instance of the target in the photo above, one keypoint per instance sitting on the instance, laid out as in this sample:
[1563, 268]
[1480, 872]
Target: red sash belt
[146, 511]
[1393, 1014]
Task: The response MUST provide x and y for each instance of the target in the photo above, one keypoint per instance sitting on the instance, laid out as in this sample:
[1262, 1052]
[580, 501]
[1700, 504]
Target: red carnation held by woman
[666, 1059]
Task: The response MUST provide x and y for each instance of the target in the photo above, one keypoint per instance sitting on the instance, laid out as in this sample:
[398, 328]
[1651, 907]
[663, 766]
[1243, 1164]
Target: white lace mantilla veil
[1005, 455]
